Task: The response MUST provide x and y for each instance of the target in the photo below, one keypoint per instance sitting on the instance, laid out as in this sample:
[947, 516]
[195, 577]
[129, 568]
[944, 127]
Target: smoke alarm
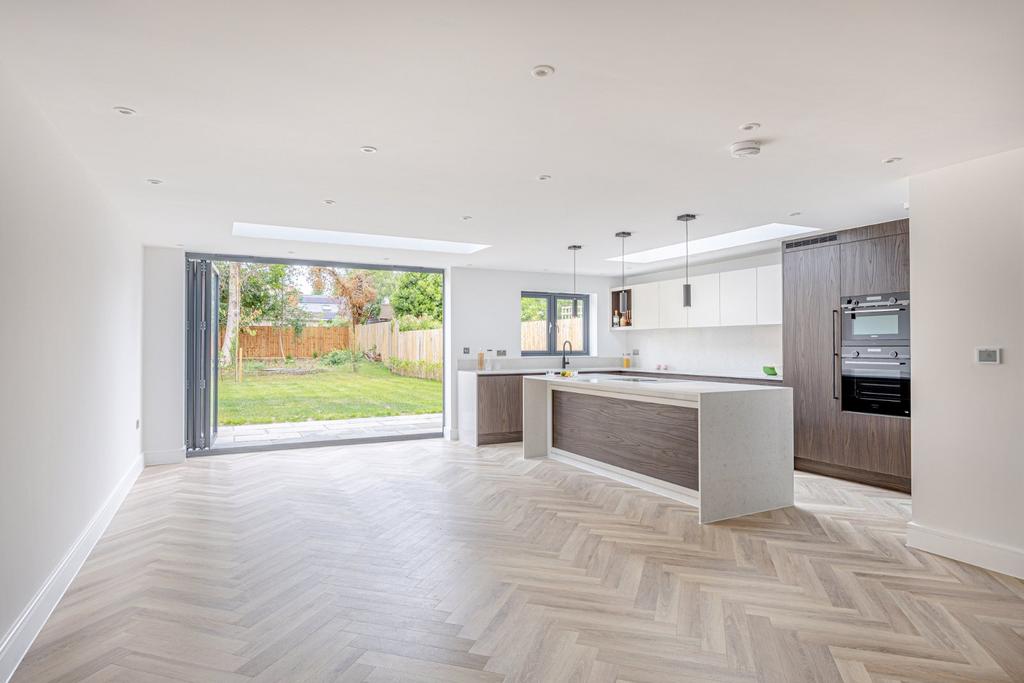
[745, 148]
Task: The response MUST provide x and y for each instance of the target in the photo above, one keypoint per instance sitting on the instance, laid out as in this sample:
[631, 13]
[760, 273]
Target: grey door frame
[211, 257]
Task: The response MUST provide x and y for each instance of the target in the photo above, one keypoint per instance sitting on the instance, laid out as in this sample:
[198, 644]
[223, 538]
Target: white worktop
[683, 389]
[619, 368]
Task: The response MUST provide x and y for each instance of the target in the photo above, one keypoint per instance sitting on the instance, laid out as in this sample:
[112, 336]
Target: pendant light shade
[686, 218]
[623, 297]
[575, 302]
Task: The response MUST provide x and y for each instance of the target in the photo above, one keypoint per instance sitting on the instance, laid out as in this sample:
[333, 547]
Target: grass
[336, 393]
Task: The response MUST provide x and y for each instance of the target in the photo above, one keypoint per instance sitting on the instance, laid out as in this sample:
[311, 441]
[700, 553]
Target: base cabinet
[872, 449]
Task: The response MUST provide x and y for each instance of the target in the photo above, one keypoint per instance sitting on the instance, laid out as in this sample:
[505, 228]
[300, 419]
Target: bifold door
[201, 332]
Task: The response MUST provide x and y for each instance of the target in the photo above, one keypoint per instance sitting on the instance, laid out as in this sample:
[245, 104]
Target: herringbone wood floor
[432, 561]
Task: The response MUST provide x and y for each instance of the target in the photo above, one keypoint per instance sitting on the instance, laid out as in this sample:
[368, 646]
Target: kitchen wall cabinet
[671, 313]
[645, 306]
[876, 265]
[737, 291]
[873, 449]
[750, 296]
[705, 308]
[769, 295]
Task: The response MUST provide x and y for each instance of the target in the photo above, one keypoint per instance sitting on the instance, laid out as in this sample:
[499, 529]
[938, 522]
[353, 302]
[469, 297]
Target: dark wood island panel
[653, 439]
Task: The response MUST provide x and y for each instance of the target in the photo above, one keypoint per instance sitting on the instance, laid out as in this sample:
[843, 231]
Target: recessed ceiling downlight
[543, 176]
[126, 111]
[744, 149]
[893, 160]
[747, 127]
[352, 239]
[367, 149]
[542, 70]
[467, 218]
[154, 181]
[330, 202]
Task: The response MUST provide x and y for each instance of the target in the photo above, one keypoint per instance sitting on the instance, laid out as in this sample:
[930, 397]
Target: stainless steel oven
[873, 319]
[876, 379]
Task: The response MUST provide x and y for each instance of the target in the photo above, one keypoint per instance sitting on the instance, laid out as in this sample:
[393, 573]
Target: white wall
[967, 276]
[70, 346]
[163, 355]
[482, 312]
[740, 350]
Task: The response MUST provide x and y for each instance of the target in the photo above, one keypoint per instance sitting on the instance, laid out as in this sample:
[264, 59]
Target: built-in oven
[873, 319]
[876, 379]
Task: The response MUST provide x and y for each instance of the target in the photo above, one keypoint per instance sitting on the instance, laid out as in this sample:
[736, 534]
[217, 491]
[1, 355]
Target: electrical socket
[502, 353]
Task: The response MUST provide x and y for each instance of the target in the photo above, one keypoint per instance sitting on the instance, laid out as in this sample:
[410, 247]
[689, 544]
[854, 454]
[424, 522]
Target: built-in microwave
[876, 319]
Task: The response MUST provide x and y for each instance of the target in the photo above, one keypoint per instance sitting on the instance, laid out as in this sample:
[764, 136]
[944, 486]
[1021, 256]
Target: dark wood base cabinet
[816, 272]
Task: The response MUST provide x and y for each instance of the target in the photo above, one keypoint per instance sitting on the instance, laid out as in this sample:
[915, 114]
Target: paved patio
[327, 430]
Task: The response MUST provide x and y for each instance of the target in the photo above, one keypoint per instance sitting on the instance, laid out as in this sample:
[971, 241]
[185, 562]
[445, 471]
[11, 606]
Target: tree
[353, 289]
[234, 311]
[252, 293]
[532, 308]
[419, 295]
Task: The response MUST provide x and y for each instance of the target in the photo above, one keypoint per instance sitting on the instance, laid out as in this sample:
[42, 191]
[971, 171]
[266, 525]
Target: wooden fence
[417, 353]
[263, 342]
[533, 335]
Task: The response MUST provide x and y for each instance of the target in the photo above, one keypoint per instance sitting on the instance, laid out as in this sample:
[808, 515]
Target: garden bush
[341, 357]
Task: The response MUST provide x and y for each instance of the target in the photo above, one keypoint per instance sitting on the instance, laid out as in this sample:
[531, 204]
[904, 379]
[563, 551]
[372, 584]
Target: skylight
[726, 240]
[352, 239]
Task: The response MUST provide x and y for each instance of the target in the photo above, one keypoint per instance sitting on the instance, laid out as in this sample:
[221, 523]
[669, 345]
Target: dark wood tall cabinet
[873, 449]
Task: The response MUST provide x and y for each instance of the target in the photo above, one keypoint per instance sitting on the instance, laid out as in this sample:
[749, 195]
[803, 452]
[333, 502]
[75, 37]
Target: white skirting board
[992, 556]
[23, 632]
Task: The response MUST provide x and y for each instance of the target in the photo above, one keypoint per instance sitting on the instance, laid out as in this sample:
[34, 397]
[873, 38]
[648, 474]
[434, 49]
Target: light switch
[988, 355]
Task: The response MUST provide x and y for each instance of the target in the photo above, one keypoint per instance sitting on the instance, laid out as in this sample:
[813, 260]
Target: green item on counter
[770, 371]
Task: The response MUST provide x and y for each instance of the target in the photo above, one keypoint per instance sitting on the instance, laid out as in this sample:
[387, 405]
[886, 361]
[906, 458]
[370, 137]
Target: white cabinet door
[769, 295]
[738, 294]
[705, 310]
[645, 306]
[670, 304]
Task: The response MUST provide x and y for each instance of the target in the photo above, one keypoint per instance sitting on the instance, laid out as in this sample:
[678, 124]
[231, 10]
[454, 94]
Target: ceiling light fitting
[686, 218]
[367, 149]
[154, 181]
[127, 111]
[543, 176]
[893, 160]
[745, 149]
[330, 202]
[748, 127]
[542, 70]
[467, 218]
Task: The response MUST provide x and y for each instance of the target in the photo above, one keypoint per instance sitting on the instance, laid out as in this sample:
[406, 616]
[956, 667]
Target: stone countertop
[619, 368]
[663, 388]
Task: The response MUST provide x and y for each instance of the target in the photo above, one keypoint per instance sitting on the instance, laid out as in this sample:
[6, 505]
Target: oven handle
[835, 355]
[873, 362]
[862, 311]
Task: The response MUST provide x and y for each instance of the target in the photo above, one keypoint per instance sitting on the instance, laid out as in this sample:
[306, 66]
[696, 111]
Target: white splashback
[710, 350]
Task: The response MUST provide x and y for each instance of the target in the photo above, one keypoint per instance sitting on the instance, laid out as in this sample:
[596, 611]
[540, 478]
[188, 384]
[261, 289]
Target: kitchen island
[725, 448]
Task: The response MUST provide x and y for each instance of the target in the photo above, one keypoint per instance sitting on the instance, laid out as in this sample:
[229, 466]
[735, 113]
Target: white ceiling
[255, 111]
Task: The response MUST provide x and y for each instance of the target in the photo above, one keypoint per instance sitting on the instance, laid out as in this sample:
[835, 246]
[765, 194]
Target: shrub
[415, 368]
[407, 323]
[341, 357]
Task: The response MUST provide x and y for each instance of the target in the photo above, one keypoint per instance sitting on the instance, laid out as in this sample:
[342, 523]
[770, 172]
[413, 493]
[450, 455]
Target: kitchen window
[548, 320]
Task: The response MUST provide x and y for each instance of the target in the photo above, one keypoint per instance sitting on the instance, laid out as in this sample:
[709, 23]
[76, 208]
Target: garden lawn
[336, 393]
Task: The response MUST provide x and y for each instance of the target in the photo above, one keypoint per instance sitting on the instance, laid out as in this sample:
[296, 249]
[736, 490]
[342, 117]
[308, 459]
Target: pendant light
[575, 302]
[623, 299]
[686, 218]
